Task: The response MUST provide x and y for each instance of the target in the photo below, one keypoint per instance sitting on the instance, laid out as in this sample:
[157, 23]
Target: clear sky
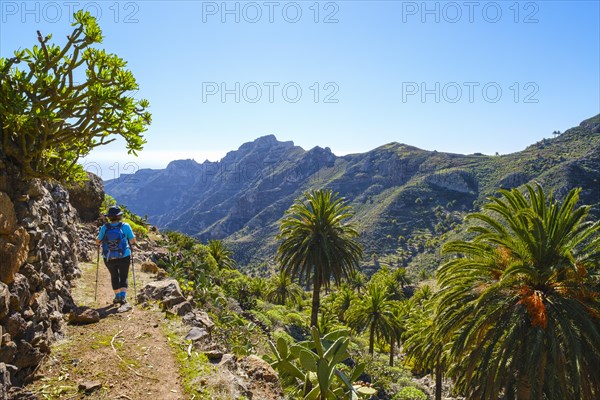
[464, 76]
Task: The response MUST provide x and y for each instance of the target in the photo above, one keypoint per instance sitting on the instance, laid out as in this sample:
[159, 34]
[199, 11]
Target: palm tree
[423, 293]
[520, 303]
[373, 311]
[399, 275]
[422, 343]
[221, 254]
[282, 288]
[258, 287]
[357, 280]
[398, 327]
[342, 302]
[317, 244]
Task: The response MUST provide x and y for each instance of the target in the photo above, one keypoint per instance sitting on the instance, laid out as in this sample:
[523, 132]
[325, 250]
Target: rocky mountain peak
[242, 197]
[182, 164]
[591, 124]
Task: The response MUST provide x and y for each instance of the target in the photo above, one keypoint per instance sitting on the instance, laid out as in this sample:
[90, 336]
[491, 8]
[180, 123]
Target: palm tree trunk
[392, 341]
[438, 381]
[372, 338]
[523, 389]
[510, 392]
[314, 316]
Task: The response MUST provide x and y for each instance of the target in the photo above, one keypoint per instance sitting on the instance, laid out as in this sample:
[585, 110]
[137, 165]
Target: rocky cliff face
[395, 189]
[38, 248]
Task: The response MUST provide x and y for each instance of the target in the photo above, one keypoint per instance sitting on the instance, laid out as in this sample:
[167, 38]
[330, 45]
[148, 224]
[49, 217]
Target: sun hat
[113, 211]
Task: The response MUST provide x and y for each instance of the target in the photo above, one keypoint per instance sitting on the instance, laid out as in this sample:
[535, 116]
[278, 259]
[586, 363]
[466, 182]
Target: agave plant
[314, 365]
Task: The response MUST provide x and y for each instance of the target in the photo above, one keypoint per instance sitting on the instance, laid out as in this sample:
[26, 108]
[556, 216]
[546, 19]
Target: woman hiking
[115, 237]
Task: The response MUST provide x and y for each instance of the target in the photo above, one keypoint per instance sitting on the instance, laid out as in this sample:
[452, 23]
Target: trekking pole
[133, 272]
[97, 268]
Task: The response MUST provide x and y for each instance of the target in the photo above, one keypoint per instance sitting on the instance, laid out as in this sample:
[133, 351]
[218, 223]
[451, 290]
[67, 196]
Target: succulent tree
[57, 104]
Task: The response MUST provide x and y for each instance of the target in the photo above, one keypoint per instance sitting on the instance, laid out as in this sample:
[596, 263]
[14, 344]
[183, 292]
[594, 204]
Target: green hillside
[405, 198]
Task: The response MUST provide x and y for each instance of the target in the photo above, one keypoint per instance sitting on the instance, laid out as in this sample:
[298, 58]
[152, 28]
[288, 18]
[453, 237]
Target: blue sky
[459, 76]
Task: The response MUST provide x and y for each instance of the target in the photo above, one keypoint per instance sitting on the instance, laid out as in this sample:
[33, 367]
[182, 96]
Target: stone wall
[38, 247]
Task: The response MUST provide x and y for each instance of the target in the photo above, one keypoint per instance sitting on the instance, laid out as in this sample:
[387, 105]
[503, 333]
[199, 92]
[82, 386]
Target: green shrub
[282, 334]
[262, 318]
[108, 202]
[180, 241]
[140, 231]
[382, 375]
[410, 393]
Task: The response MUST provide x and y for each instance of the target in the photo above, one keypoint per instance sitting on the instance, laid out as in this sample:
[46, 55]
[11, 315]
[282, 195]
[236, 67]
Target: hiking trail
[128, 353]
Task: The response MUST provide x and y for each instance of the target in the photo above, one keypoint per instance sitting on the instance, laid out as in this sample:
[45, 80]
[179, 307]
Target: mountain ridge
[394, 188]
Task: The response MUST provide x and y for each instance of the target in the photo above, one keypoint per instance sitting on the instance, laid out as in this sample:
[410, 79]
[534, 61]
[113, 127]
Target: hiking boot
[117, 299]
[123, 300]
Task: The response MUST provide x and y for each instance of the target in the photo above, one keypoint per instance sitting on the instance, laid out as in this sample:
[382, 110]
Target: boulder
[35, 189]
[87, 197]
[149, 267]
[89, 387]
[259, 369]
[15, 325]
[182, 309]
[198, 318]
[196, 334]
[167, 292]
[84, 315]
[27, 355]
[7, 352]
[14, 249]
[214, 355]
[228, 361]
[159, 254]
[20, 293]
[4, 300]
[8, 218]
[161, 274]
[4, 381]
[18, 393]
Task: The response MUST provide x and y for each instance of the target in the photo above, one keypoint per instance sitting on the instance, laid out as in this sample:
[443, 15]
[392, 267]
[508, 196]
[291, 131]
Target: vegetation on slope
[527, 310]
[399, 193]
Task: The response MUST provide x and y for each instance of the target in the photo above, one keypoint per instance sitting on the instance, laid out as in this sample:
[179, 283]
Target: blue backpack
[114, 242]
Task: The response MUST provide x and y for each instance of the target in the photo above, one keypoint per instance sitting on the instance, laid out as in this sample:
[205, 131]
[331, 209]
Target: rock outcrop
[38, 236]
[87, 197]
[242, 197]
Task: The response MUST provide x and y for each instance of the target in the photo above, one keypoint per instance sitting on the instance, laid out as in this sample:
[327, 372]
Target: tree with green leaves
[400, 276]
[342, 302]
[397, 328]
[221, 254]
[520, 302]
[49, 120]
[374, 311]
[357, 280]
[317, 245]
[258, 287]
[281, 289]
[422, 345]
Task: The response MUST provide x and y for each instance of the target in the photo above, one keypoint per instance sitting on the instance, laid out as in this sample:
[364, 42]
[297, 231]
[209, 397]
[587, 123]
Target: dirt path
[127, 353]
